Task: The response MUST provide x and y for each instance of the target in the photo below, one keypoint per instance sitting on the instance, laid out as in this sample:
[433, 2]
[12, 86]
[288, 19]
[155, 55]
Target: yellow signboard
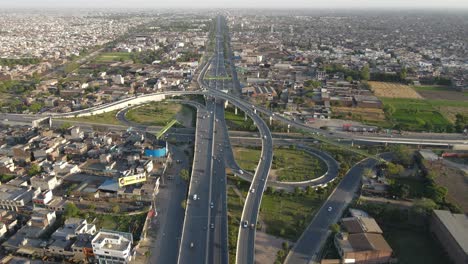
[133, 179]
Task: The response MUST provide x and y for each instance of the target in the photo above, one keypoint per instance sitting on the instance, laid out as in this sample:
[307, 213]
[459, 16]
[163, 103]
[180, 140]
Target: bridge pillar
[352, 143]
[235, 110]
[245, 116]
[226, 103]
[289, 126]
[271, 120]
[255, 111]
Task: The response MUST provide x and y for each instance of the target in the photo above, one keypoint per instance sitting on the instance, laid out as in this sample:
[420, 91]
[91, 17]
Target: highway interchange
[204, 233]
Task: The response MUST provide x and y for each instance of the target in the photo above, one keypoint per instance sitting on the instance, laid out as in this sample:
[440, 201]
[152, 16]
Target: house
[112, 247]
[363, 248]
[452, 232]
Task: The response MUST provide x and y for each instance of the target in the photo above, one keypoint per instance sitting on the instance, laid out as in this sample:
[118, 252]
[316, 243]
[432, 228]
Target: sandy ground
[266, 247]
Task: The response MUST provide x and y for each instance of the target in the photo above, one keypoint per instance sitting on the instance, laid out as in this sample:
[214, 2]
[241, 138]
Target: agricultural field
[418, 115]
[393, 90]
[370, 116]
[113, 57]
[441, 93]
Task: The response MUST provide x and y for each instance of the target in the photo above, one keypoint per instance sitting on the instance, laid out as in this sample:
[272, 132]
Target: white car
[252, 190]
[330, 209]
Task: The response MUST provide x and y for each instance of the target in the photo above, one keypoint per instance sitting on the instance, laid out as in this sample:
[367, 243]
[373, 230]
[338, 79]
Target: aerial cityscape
[234, 132]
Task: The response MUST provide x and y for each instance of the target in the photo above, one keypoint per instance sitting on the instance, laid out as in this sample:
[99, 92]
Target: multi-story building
[14, 197]
[111, 247]
[452, 232]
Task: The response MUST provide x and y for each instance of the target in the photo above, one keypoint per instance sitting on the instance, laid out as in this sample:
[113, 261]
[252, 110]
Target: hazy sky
[442, 4]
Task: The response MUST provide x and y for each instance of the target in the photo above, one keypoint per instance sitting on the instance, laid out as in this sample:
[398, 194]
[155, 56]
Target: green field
[247, 158]
[287, 215]
[156, 114]
[296, 165]
[238, 122]
[288, 164]
[415, 247]
[113, 56]
[235, 206]
[416, 186]
[106, 118]
[418, 115]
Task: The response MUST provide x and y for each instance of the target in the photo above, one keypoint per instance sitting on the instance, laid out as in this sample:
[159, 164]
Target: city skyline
[387, 4]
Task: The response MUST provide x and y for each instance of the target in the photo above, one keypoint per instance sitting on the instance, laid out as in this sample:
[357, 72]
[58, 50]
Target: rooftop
[457, 225]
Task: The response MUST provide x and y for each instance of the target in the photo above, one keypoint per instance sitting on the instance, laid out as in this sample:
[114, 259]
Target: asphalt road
[195, 233]
[168, 224]
[308, 247]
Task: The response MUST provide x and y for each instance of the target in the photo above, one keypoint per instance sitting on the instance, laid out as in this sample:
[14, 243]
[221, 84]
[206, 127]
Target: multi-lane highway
[194, 244]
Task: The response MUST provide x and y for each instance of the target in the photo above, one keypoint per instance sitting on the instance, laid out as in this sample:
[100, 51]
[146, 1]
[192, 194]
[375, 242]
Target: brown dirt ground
[266, 247]
[366, 113]
[450, 111]
[456, 181]
[393, 90]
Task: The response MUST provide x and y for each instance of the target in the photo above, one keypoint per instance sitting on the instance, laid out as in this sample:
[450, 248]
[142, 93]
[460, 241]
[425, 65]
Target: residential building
[111, 247]
[452, 232]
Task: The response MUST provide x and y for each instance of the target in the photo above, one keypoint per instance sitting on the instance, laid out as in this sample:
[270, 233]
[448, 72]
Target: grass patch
[287, 215]
[417, 115]
[414, 246]
[238, 122]
[123, 223]
[297, 165]
[113, 57]
[247, 158]
[235, 206]
[4, 178]
[154, 114]
[106, 118]
[416, 186]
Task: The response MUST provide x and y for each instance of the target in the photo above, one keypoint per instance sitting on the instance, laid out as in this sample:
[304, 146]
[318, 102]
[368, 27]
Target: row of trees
[22, 61]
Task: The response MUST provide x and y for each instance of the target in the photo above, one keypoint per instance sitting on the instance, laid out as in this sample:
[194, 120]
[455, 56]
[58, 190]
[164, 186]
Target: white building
[111, 247]
[44, 182]
[118, 79]
[12, 197]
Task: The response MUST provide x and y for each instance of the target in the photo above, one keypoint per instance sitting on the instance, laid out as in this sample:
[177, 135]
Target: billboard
[132, 179]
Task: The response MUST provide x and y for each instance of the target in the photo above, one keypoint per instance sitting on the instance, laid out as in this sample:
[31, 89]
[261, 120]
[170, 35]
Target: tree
[34, 169]
[395, 169]
[437, 193]
[71, 210]
[424, 205]
[368, 172]
[335, 228]
[365, 73]
[116, 209]
[184, 174]
[403, 73]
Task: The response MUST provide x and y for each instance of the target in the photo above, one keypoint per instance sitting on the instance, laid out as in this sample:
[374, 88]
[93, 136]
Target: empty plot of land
[394, 90]
[456, 181]
[266, 247]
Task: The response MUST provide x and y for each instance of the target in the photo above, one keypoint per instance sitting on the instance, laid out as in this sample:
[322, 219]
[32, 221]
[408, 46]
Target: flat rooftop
[457, 225]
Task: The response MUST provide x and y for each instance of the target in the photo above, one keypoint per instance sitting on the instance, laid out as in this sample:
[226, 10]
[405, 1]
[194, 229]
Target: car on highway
[330, 209]
[241, 172]
[212, 226]
[252, 190]
[195, 197]
[211, 205]
[192, 245]
[245, 224]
